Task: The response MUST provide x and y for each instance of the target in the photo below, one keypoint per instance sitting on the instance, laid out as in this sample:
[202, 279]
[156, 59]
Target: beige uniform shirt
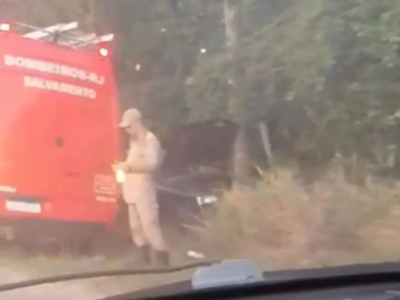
[140, 186]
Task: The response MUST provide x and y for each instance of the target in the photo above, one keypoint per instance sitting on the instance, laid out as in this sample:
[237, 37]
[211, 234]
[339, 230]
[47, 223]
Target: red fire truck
[58, 137]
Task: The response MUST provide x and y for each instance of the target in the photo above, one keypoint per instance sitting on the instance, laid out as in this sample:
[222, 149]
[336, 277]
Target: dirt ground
[79, 290]
[15, 268]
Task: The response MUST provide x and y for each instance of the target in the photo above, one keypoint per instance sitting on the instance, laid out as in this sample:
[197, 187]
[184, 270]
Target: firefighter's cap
[131, 115]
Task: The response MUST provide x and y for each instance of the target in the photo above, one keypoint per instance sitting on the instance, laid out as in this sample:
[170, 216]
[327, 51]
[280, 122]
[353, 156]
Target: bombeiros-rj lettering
[55, 69]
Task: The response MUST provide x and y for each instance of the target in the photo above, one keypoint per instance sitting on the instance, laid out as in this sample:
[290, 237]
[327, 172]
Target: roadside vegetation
[288, 225]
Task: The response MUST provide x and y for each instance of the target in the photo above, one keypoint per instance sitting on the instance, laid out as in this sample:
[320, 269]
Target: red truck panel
[58, 131]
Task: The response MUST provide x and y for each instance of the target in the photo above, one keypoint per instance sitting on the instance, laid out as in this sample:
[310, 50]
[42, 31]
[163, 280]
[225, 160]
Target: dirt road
[18, 270]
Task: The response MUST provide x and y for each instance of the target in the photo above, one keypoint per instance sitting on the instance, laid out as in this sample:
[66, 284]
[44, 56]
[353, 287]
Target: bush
[333, 223]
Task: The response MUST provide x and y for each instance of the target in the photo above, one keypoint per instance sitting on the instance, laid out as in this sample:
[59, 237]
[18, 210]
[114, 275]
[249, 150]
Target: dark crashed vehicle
[195, 169]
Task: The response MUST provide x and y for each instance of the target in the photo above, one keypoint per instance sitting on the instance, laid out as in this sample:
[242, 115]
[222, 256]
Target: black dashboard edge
[277, 282]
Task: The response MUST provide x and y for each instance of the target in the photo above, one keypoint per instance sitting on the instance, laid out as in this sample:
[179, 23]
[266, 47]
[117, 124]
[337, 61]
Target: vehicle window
[258, 129]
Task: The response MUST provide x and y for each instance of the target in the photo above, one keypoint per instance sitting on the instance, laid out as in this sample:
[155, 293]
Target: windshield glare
[138, 134]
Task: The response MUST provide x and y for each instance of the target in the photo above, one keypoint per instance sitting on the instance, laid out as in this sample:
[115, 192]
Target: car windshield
[148, 133]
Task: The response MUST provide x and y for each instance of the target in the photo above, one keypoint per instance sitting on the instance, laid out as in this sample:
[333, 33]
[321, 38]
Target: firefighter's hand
[116, 166]
[120, 166]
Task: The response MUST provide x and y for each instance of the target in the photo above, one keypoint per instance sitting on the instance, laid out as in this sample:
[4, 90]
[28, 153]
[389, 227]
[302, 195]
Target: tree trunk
[241, 166]
[264, 132]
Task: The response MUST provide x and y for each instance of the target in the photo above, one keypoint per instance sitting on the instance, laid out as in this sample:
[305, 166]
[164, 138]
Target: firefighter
[139, 190]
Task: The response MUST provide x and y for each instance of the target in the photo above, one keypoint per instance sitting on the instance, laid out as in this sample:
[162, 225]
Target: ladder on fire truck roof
[66, 34]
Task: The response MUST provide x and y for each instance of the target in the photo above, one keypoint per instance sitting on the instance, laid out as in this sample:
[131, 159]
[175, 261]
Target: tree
[232, 14]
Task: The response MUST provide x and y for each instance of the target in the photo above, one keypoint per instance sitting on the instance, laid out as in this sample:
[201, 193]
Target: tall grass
[333, 223]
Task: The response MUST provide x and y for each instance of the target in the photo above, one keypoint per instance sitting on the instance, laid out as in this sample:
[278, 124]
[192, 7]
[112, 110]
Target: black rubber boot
[144, 255]
[161, 258]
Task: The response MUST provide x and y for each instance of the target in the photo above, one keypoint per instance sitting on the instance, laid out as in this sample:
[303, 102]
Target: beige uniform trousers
[145, 225]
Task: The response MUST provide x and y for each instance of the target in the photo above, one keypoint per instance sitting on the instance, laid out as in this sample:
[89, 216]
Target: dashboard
[360, 282]
[378, 292]
[381, 292]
